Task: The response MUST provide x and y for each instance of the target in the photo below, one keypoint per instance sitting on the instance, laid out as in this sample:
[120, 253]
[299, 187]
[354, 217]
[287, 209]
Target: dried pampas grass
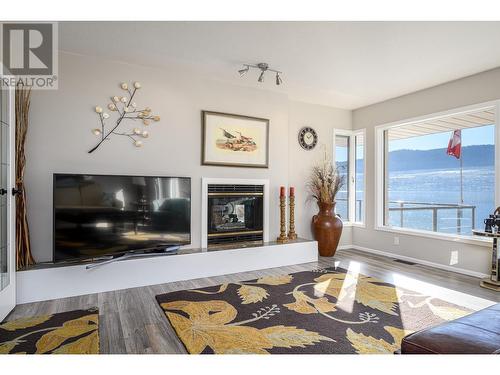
[325, 182]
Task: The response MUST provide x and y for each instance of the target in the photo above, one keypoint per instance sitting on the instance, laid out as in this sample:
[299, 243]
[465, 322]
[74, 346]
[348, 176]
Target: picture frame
[232, 140]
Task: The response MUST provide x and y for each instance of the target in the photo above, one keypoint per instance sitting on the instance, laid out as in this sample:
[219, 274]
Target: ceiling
[340, 64]
[443, 124]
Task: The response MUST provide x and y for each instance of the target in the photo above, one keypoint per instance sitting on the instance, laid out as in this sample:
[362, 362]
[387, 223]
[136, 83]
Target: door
[7, 207]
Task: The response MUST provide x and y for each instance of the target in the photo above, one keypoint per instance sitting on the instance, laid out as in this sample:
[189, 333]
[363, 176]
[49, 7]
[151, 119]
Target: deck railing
[464, 217]
[463, 213]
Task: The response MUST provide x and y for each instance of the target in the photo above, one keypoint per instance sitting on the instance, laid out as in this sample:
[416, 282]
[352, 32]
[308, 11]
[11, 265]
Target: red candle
[292, 191]
[282, 191]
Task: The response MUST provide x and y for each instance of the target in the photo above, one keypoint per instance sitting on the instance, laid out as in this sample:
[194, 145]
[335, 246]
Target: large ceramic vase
[327, 229]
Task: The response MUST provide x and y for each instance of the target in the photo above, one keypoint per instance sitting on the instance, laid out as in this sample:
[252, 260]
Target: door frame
[8, 295]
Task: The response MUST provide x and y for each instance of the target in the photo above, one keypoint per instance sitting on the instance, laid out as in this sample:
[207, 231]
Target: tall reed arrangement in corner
[324, 183]
[23, 244]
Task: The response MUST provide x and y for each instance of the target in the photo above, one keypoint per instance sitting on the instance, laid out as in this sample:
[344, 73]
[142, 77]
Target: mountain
[473, 156]
[410, 160]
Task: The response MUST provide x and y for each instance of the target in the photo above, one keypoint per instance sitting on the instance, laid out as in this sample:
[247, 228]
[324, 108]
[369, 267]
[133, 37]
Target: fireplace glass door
[233, 217]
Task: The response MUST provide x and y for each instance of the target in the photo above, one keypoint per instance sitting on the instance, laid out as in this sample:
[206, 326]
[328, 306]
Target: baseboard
[345, 247]
[462, 271]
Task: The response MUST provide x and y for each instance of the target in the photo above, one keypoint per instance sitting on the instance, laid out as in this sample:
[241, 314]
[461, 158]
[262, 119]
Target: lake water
[443, 186]
[438, 186]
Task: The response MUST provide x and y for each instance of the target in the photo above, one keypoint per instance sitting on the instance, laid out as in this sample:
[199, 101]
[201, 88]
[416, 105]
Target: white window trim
[351, 181]
[380, 173]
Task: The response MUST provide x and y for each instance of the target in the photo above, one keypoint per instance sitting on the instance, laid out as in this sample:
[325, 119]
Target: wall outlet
[396, 240]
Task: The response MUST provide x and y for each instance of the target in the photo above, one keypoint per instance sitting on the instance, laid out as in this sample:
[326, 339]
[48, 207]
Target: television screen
[98, 215]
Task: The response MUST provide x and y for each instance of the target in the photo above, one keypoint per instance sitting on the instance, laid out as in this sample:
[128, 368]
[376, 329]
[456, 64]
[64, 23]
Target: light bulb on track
[244, 71]
[279, 81]
[263, 68]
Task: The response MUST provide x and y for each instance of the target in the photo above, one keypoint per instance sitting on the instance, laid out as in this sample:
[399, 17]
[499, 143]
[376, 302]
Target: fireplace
[235, 213]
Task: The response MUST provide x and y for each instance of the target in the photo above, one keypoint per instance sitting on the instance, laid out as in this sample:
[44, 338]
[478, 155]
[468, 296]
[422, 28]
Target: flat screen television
[108, 215]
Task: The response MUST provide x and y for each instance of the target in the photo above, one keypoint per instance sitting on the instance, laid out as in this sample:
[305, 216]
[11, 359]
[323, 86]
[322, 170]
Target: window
[342, 164]
[438, 174]
[360, 177]
[349, 155]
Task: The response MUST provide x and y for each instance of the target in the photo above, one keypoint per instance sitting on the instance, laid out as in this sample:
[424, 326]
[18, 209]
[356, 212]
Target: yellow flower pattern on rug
[368, 291]
[211, 323]
[74, 332]
[322, 311]
[253, 293]
[370, 345]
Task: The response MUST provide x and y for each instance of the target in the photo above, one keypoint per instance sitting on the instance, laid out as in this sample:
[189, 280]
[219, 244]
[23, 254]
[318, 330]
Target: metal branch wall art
[126, 109]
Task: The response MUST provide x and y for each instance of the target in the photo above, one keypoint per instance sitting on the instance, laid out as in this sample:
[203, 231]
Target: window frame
[381, 171]
[351, 177]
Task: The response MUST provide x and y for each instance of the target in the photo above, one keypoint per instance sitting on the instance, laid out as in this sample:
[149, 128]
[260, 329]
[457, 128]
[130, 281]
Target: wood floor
[132, 322]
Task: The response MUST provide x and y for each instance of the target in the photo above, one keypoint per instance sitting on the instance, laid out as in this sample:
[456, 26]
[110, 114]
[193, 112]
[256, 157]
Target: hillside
[410, 160]
[473, 156]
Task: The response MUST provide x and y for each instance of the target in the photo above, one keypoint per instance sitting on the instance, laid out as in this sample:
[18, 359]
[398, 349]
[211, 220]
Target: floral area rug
[73, 332]
[322, 311]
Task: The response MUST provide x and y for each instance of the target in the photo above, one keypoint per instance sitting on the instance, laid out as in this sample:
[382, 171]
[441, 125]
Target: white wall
[61, 122]
[323, 120]
[470, 90]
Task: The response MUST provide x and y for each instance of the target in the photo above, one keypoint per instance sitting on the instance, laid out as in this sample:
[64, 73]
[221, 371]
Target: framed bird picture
[234, 140]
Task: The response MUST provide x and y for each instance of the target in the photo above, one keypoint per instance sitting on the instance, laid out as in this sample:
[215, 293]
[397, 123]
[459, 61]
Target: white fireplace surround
[231, 181]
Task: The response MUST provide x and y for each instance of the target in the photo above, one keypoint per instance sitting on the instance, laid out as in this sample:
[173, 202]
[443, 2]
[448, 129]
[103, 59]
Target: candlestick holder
[291, 232]
[282, 237]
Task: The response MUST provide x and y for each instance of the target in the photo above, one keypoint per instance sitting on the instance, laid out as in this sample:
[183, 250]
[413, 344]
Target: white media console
[48, 283]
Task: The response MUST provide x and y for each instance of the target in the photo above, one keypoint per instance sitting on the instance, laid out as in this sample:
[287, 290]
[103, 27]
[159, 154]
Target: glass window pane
[441, 174]
[342, 164]
[360, 179]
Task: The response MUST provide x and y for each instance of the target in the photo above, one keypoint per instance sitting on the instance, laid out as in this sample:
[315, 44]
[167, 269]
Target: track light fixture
[244, 70]
[263, 67]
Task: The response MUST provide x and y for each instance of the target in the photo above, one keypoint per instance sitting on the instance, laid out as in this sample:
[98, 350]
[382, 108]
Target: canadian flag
[455, 144]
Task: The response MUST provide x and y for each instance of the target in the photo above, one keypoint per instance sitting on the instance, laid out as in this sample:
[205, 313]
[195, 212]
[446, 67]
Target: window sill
[471, 240]
[351, 224]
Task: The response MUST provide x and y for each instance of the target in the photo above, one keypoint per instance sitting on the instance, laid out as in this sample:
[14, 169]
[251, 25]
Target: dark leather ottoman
[477, 333]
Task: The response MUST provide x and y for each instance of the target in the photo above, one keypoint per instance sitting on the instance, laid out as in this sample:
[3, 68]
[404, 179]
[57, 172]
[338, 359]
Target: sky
[484, 135]
[473, 136]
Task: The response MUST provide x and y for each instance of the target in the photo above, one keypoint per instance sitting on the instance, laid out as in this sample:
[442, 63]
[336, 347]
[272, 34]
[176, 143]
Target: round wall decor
[308, 138]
